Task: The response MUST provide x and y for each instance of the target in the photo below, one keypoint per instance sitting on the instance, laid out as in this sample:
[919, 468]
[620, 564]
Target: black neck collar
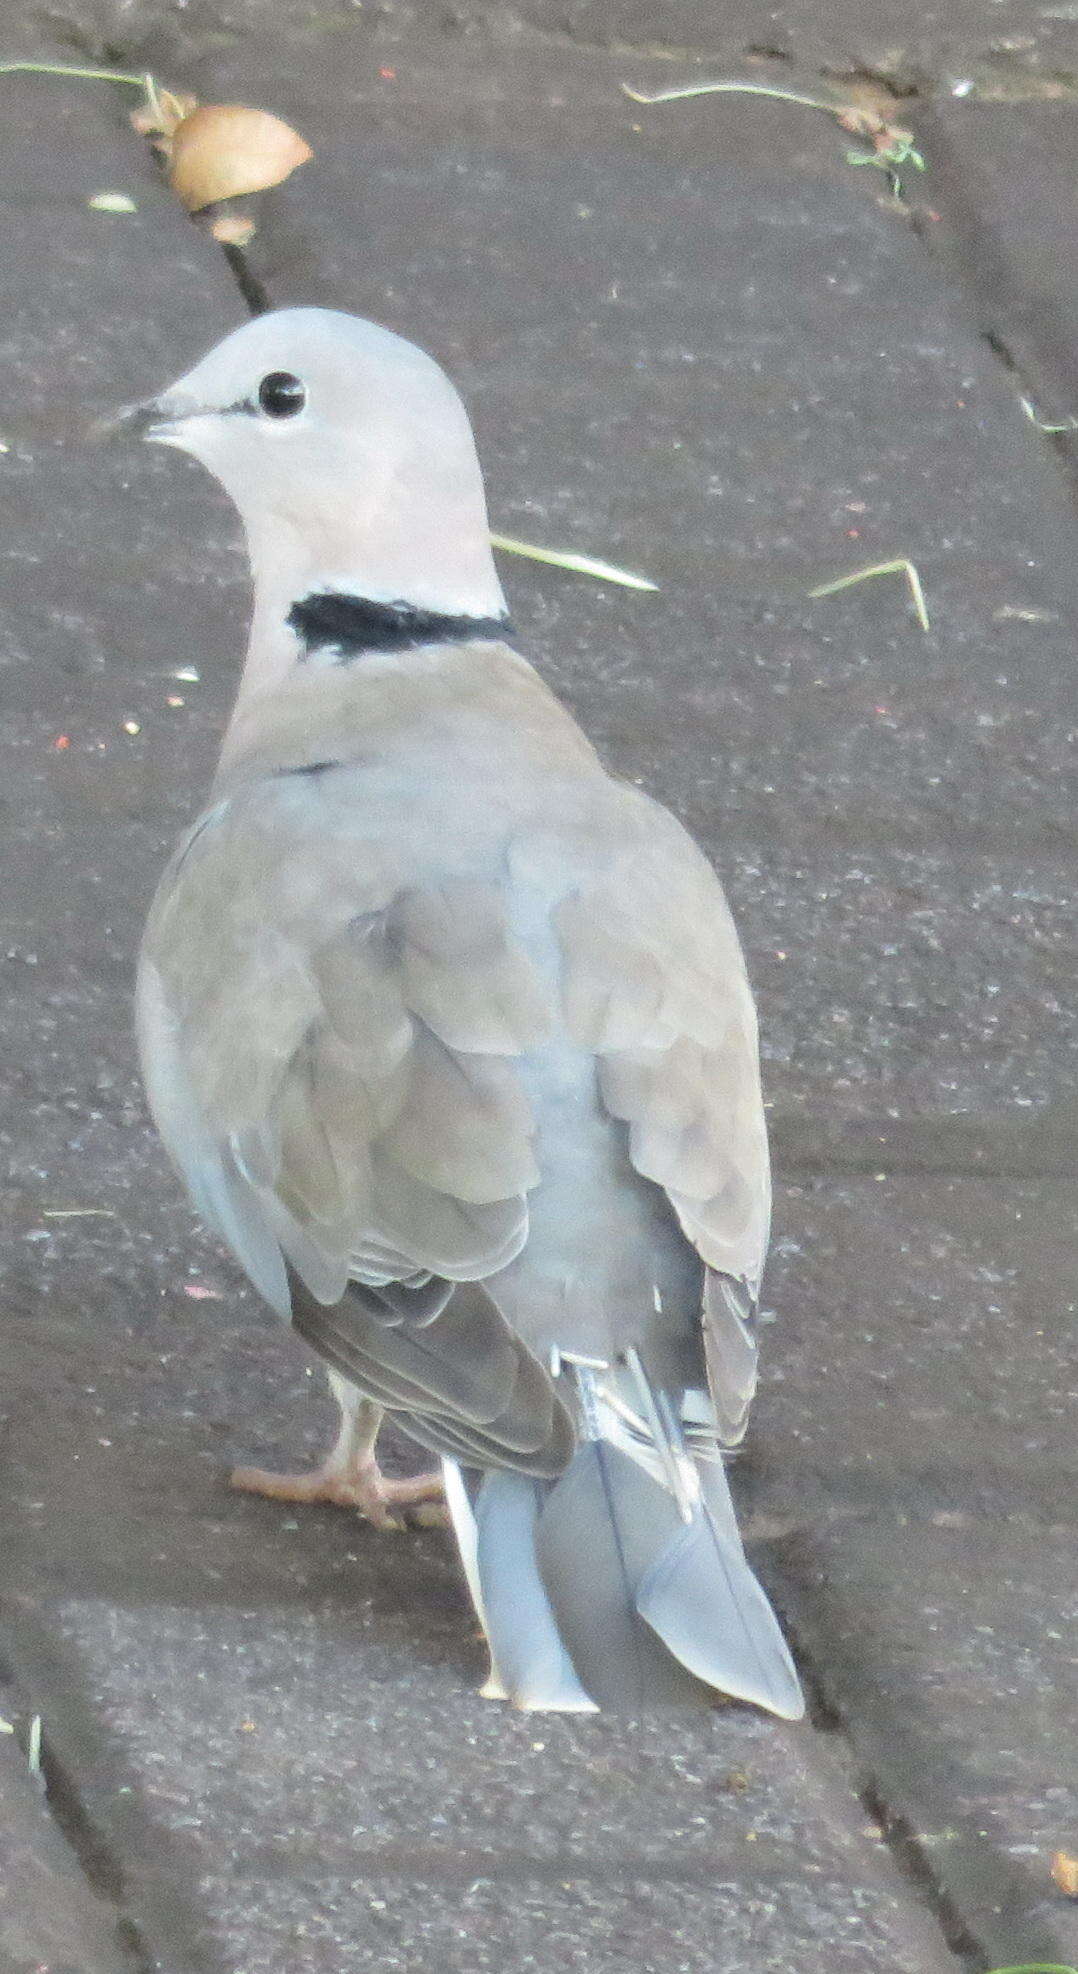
[352, 625]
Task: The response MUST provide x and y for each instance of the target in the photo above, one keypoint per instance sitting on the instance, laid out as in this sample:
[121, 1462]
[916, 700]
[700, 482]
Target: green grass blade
[64, 68]
[900, 566]
[580, 565]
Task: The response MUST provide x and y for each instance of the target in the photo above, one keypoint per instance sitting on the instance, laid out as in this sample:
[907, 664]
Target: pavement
[699, 341]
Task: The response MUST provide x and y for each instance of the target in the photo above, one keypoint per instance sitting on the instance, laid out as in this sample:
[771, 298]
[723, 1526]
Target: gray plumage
[449, 1034]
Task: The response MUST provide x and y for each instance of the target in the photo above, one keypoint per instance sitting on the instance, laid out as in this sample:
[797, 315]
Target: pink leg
[350, 1476]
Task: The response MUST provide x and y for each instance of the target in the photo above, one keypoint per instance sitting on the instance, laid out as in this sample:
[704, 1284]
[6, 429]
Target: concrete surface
[1029, 40]
[702, 343]
[1011, 234]
[50, 1922]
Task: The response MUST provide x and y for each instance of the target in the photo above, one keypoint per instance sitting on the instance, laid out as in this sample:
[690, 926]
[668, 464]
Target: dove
[449, 1034]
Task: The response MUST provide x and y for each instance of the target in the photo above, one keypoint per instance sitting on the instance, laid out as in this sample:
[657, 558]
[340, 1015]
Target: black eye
[281, 395]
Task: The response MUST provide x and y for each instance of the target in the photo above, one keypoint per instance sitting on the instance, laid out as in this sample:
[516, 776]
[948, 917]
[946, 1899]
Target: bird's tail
[624, 1583]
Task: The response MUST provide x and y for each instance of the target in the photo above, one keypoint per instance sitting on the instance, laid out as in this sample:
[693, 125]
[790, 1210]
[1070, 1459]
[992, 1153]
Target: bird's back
[436, 835]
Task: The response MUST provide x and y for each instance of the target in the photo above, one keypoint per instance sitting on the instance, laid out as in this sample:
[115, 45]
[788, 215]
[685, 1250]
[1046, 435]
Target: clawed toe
[386, 1503]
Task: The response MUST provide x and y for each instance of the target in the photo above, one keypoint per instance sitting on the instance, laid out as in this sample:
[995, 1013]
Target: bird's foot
[360, 1485]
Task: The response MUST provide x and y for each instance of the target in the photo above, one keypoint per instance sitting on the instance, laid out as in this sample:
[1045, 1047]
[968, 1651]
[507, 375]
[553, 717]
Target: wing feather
[654, 981]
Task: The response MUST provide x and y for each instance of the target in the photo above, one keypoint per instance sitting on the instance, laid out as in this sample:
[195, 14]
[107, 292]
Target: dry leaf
[1064, 1869]
[233, 230]
[223, 151]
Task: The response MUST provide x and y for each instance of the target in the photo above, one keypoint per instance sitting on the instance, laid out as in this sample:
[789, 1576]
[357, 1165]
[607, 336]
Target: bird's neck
[318, 627]
[303, 648]
[399, 587]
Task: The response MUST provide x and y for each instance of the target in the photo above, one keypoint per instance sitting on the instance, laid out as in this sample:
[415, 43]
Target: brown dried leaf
[1064, 1870]
[233, 229]
[224, 151]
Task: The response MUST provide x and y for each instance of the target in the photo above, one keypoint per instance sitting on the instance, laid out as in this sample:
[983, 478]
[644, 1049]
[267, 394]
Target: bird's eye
[281, 395]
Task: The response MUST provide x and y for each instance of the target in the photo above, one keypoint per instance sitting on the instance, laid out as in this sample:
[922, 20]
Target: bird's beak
[157, 419]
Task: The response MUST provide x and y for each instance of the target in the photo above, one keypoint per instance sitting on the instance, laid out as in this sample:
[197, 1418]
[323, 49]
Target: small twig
[1035, 1967]
[580, 565]
[33, 1745]
[900, 566]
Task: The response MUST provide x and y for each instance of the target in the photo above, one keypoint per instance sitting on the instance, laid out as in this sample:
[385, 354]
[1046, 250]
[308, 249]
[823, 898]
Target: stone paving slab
[318, 1788]
[848, 35]
[906, 38]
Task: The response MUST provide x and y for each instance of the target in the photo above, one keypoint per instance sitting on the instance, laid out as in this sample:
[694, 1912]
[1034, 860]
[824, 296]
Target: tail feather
[528, 1657]
[701, 1598]
[597, 1590]
[599, 1527]
[458, 1502]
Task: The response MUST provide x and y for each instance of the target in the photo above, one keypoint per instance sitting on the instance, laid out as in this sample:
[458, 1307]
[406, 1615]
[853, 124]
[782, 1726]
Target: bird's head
[349, 456]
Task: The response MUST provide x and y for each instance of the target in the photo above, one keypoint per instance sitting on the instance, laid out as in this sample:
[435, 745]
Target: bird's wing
[328, 1044]
[327, 1050]
[655, 985]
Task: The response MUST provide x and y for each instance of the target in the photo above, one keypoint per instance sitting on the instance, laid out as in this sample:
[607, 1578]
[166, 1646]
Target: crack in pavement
[952, 1864]
[157, 1908]
[94, 1862]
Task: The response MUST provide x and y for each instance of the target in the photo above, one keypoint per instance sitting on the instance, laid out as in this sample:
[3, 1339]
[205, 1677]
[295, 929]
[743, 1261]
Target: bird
[449, 1033]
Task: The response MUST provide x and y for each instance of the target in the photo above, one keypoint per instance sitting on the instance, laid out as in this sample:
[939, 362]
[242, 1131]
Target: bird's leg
[350, 1476]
